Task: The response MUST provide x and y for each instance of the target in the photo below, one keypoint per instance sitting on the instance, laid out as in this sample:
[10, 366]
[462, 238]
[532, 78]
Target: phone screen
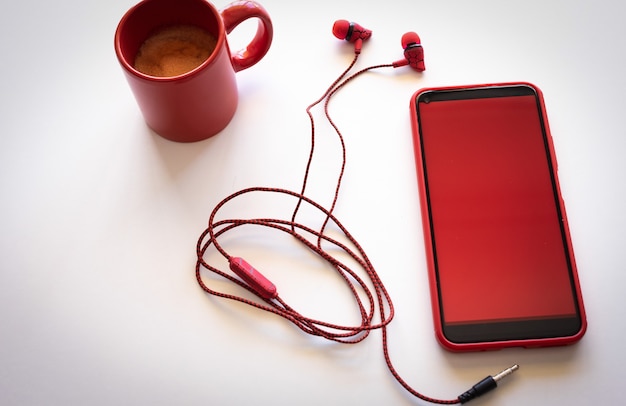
[499, 243]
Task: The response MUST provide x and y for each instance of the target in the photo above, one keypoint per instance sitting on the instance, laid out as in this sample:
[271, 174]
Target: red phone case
[435, 300]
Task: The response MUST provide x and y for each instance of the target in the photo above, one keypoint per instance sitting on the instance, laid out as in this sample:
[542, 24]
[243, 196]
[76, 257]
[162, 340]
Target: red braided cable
[376, 302]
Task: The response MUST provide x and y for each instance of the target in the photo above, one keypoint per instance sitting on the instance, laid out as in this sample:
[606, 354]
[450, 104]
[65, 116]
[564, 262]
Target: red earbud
[351, 32]
[413, 52]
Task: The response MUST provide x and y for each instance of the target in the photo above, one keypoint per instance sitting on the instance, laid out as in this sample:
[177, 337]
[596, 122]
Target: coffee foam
[174, 50]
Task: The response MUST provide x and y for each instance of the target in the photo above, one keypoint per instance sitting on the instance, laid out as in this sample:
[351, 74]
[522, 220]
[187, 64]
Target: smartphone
[500, 259]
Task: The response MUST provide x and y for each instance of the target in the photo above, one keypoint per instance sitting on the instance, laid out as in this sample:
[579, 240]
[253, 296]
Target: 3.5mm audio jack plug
[487, 384]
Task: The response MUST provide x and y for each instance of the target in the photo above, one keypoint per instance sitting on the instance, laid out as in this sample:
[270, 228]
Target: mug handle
[233, 15]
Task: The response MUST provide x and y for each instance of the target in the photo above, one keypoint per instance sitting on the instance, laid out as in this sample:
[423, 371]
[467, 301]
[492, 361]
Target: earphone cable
[312, 149]
[374, 303]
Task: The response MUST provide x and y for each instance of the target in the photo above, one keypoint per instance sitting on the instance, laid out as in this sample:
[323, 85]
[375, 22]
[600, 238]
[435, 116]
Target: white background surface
[100, 216]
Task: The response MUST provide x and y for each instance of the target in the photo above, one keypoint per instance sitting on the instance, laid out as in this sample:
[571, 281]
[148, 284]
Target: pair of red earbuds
[411, 43]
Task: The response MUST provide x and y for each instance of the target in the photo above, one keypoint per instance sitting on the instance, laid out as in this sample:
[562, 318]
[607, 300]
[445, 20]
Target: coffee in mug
[174, 50]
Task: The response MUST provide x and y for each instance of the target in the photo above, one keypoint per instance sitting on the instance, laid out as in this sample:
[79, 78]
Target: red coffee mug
[198, 104]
